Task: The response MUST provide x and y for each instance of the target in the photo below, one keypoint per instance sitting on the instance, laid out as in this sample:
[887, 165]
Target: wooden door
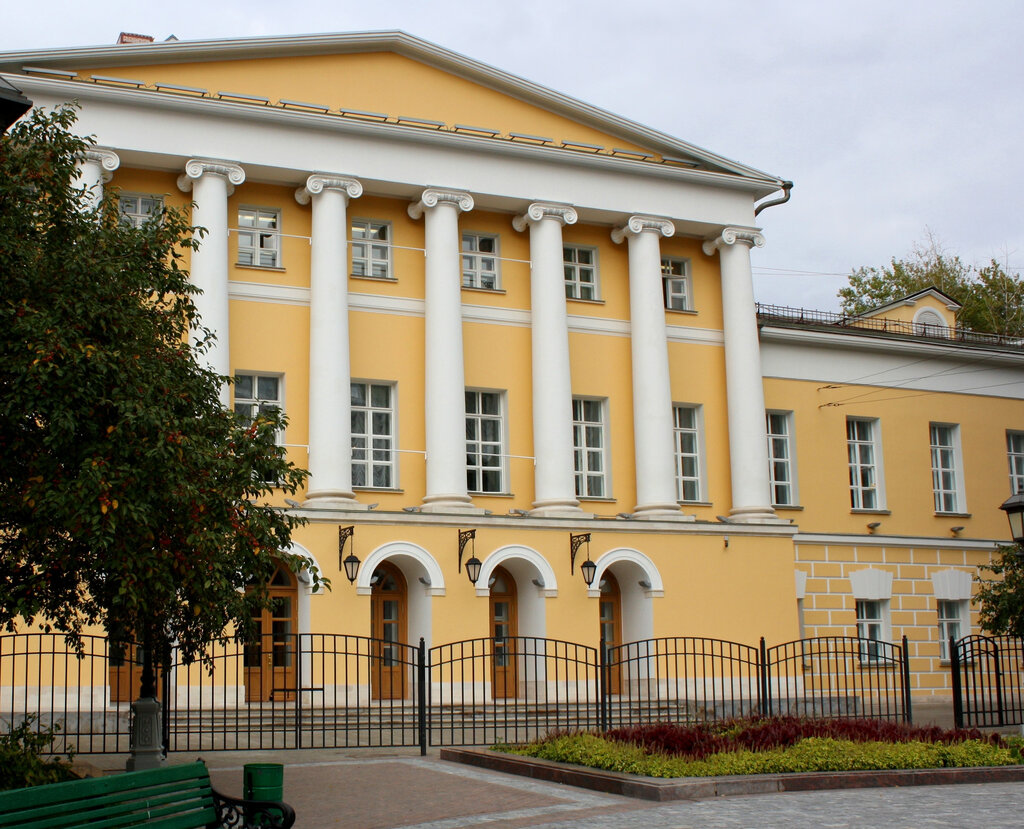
[270, 661]
[611, 629]
[388, 625]
[504, 629]
[125, 672]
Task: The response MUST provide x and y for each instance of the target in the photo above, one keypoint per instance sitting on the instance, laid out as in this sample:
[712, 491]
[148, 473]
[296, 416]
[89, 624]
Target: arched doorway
[611, 626]
[388, 628]
[270, 661]
[504, 629]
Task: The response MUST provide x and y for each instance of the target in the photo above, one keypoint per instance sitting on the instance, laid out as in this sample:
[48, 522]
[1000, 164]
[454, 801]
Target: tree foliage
[992, 299]
[1001, 599]
[129, 497]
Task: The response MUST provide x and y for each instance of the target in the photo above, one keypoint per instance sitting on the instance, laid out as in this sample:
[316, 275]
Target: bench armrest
[234, 812]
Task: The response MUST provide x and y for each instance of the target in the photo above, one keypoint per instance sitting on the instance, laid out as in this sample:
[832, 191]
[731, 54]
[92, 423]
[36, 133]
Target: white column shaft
[330, 424]
[95, 167]
[748, 447]
[445, 392]
[554, 481]
[652, 390]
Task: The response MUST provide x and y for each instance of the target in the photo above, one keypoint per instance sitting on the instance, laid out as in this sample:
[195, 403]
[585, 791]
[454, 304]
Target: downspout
[787, 186]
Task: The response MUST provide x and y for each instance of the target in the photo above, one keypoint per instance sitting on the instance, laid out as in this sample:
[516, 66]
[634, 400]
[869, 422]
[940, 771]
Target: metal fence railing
[338, 691]
[988, 681]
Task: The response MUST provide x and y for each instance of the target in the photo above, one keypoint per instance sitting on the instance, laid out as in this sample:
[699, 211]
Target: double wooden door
[611, 629]
[270, 661]
[504, 629]
[388, 625]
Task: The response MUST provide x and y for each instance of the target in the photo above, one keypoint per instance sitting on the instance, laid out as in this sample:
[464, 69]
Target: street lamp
[1014, 509]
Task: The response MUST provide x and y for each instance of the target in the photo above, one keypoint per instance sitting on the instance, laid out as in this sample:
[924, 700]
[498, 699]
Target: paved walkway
[392, 789]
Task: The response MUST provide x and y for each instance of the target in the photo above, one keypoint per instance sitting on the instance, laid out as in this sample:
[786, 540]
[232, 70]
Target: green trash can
[263, 782]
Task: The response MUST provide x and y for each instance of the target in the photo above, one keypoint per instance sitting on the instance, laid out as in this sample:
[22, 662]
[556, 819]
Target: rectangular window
[258, 393]
[259, 237]
[580, 266]
[689, 450]
[865, 463]
[480, 261]
[953, 621]
[781, 466]
[485, 441]
[136, 210]
[371, 249]
[677, 285]
[946, 465]
[872, 623]
[589, 448]
[1015, 455]
[373, 435]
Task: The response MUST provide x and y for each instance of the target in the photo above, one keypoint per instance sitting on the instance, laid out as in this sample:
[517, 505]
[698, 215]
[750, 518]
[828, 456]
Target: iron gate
[988, 674]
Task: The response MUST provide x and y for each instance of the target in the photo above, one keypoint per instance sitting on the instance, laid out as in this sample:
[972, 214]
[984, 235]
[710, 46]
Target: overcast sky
[890, 117]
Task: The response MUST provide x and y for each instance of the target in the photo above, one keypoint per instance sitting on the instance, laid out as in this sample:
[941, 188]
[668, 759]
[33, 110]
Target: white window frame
[680, 433]
[947, 468]
[677, 283]
[249, 406]
[374, 450]
[1015, 459]
[954, 618]
[590, 483]
[474, 271]
[138, 217]
[782, 466]
[477, 448]
[265, 247]
[862, 468]
[370, 247]
[575, 286]
[873, 622]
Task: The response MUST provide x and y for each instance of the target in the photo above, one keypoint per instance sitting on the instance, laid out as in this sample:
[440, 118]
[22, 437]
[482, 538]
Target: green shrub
[21, 763]
[807, 755]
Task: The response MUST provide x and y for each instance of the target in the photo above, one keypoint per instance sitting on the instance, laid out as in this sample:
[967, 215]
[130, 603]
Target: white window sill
[689, 311]
[484, 290]
[952, 514]
[859, 511]
[276, 268]
[476, 494]
[373, 278]
[378, 489]
[587, 301]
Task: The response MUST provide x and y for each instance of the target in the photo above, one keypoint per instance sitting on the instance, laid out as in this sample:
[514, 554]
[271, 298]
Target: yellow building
[486, 306]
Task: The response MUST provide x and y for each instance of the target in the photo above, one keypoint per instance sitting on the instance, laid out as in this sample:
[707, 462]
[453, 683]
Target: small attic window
[930, 323]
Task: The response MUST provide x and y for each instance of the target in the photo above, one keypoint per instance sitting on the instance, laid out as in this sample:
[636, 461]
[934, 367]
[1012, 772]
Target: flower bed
[773, 745]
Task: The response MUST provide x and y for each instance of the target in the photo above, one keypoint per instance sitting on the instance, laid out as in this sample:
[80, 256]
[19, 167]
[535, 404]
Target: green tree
[992, 299]
[129, 497]
[1001, 599]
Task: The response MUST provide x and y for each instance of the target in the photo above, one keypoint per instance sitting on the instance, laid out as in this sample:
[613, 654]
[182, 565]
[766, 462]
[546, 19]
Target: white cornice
[394, 41]
[134, 99]
[486, 314]
[918, 541]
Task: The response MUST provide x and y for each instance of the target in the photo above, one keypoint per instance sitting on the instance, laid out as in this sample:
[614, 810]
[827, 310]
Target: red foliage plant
[699, 740]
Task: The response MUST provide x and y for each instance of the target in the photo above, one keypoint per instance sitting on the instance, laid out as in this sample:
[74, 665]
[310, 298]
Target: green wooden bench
[173, 797]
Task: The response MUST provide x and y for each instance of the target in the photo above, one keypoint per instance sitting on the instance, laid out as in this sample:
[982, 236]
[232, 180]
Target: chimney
[131, 37]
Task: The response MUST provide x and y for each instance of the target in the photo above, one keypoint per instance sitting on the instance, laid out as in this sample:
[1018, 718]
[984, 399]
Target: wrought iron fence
[988, 681]
[334, 690]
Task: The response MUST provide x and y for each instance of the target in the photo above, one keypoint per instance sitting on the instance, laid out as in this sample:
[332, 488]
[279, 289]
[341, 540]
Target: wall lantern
[473, 569]
[474, 564]
[1014, 509]
[350, 564]
[587, 568]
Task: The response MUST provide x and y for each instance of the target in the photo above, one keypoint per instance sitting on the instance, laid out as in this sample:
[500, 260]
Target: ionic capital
[540, 210]
[635, 225]
[196, 168]
[107, 160]
[318, 182]
[432, 197]
[732, 235]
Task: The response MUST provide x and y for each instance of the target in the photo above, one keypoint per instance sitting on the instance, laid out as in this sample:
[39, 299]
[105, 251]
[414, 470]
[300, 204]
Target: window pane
[267, 387]
[243, 385]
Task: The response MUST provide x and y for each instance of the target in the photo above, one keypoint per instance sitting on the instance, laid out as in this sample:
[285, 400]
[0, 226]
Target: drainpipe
[787, 186]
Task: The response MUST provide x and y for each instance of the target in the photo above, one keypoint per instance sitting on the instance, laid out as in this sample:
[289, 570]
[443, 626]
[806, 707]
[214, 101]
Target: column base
[558, 509]
[332, 499]
[461, 504]
[755, 515]
[660, 512]
[147, 735]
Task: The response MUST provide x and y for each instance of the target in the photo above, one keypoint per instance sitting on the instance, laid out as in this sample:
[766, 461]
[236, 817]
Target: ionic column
[445, 392]
[748, 444]
[95, 168]
[330, 397]
[211, 182]
[652, 390]
[554, 483]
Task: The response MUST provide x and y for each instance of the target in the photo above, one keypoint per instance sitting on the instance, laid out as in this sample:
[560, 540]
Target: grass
[773, 745]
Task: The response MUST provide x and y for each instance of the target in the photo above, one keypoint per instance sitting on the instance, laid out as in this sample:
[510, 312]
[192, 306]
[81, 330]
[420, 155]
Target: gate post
[165, 689]
[908, 714]
[602, 688]
[421, 694]
[763, 681]
[298, 690]
[958, 688]
[999, 683]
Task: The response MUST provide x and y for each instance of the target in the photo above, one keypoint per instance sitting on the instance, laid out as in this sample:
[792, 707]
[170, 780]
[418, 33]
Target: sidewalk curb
[702, 788]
